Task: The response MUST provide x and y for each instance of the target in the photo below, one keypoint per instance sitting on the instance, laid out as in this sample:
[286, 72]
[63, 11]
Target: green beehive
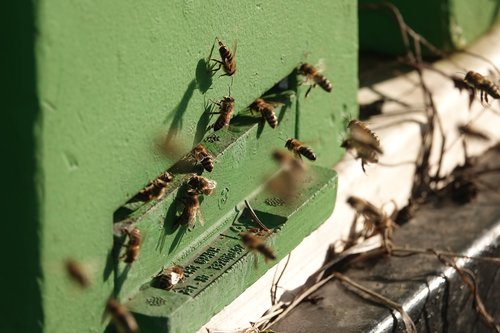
[448, 24]
[95, 84]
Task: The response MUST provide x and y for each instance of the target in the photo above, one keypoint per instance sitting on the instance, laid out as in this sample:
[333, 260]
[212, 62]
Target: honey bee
[169, 277]
[287, 162]
[254, 243]
[226, 108]
[191, 209]
[133, 246]
[121, 317]
[376, 221]
[364, 141]
[202, 156]
[313, 74]
[266, 110]
[227, 59]
[299, 149]
[156, 188]
[202, 185]
[77, 273]
[485, 86]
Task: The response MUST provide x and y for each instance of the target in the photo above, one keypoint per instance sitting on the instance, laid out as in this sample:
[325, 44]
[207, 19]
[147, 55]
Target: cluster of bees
[359, 139]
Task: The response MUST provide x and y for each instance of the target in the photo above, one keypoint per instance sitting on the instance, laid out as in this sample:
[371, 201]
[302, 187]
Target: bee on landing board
[226, 108]
[156, 188]
[485, 86]
[227, 59]
[255, 243]
[133, 246]
[77, 273]
[202, 156]
[313, 74]
[169, 277]
[191, 209]
[299, 149]
[121, 317]
[202, 185]
[266, 110]
[363, 141]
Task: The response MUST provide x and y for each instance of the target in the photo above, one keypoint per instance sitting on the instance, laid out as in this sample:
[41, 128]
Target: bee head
[288, 143]
[469, 77]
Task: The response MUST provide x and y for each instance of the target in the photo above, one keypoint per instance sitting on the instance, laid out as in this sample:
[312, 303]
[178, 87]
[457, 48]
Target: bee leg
[309, 90]
[363, 166]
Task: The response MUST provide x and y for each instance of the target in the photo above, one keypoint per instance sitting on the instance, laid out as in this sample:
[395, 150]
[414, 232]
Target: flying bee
[363, 141]
[227, 59]
[266, 110]
[226, 108]
[77, 273]
[255, 243]
[287, 162]
[485, 86]
[299, 149]
[376, 221]
[121, 317]
[169, 277]
[202, 185]
[287, 184]
[133, 246]
[156, 188]
[313, 74]
[191, 209]
[202, 156]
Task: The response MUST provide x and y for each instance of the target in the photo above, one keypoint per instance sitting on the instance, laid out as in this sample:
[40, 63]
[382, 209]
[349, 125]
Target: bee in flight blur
[202, 156]
[227, 59]
[363, 141]
[314, 77]
[133, 246]
[226, 109]
[256, 243]
[121, 317]
[169, 277]
[299, 149]
[156, 188]
[77, 273]
[266, 110]
[485, 86]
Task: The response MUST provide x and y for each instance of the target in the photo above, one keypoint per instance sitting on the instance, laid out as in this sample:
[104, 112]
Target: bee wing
[321, 65]
[200, 217]
[360, 135]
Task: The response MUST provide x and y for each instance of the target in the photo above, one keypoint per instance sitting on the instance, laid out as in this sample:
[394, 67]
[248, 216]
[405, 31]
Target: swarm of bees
[363, 141]
[121, 317]
[169, 277]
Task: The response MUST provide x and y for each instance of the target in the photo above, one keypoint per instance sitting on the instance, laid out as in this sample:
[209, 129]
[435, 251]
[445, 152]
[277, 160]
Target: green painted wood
[448, 24]
[221, 270]
[109, 78]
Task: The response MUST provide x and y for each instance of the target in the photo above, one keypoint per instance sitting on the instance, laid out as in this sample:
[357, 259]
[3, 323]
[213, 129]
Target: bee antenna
[229, 90]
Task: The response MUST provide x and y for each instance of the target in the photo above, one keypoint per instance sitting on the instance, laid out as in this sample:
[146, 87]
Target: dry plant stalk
[469, 280]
